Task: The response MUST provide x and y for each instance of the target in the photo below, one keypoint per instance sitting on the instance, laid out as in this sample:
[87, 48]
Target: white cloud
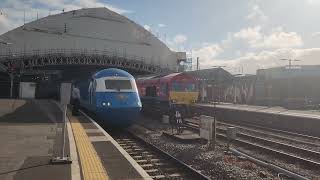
[77, 4]
[14, 10]
[316, 34]
[251, 34]
[180, 39]
[162, 25]
[147, 27]
[256, 14]
[277, 38]
[207, 53]
[282, 40]
[176, 43]
[4, 22]
[312, 2]
[265, 59]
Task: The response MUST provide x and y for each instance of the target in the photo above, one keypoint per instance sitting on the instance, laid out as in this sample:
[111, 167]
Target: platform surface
[264, 109]
[30, 135]
[106, 155]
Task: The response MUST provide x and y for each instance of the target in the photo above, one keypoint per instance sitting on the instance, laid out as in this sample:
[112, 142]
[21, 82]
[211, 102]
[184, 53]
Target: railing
[33, 55]
[9, 54]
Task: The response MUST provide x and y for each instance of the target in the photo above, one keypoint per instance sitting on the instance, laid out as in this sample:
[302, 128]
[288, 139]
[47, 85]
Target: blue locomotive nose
[118, 108]
[112, 95]
[118, 117]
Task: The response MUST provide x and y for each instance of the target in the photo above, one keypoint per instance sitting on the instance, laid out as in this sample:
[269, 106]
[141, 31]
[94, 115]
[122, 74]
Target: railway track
[291, 136]
[291, 153]
[157, 163]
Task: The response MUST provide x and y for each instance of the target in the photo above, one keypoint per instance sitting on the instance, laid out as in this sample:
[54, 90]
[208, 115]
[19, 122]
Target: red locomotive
[158, 92]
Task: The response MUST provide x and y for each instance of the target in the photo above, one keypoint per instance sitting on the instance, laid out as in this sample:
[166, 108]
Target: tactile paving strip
[91, 165]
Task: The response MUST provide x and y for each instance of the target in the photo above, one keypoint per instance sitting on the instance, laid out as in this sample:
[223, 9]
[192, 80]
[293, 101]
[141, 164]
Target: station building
[77, 43]
[294, 87]
[212, 84]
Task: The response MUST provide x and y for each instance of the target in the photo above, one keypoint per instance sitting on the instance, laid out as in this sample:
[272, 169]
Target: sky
[241, 35]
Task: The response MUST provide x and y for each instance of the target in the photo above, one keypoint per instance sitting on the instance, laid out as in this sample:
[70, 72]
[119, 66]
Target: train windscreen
[118, 84]
[183, 87]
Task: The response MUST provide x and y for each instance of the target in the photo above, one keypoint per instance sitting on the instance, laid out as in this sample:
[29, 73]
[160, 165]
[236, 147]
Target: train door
[92, 89]
[90, 92]
[93, 93]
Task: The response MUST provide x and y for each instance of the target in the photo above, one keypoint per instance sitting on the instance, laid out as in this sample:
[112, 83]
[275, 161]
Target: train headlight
[106, 104]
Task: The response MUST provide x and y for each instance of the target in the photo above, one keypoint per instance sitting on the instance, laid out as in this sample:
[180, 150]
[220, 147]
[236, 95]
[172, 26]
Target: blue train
[112, 95]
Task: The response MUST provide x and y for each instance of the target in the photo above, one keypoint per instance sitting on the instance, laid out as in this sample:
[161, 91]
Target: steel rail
[275, 143]
[295, 158]
[277, 130]
[191, 172]
[270, 135]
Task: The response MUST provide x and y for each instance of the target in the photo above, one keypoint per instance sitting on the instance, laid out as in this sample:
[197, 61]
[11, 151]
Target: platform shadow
[34, 111]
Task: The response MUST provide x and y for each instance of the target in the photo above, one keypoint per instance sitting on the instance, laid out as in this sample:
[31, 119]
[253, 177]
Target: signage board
[206, 123]
[65, 93]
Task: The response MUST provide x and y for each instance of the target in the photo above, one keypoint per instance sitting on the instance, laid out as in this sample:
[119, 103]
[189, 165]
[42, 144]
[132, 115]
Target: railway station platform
[31, 135]
[299, 121]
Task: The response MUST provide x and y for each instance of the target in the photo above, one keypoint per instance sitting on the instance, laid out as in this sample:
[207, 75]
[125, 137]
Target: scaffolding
[42, 58]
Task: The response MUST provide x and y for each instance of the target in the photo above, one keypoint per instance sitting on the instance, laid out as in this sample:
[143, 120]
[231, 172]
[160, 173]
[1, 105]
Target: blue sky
[240, 34]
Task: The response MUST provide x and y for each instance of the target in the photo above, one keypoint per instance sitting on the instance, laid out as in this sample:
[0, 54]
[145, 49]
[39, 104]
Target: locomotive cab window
[183, 87]
[117, 84]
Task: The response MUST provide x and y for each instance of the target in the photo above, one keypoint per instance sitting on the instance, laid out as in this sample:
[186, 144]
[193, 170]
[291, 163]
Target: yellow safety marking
[91, 166]
[183, 97]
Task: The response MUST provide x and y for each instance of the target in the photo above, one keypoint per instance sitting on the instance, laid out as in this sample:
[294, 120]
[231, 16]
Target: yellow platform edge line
[91, 165]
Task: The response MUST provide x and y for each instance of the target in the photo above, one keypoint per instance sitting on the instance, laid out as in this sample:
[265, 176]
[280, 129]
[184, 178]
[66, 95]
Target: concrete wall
[303, 125]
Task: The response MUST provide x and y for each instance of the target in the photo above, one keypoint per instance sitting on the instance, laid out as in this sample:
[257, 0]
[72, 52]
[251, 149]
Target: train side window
[151, 91]
[164, 89]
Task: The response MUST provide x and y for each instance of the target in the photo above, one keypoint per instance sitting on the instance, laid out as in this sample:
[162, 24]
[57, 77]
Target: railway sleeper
[130, 147]
[135, 150]
[159, 177]
[139, 153]
[152, 165]
[125, 139]
[148, 160]
[166, 176]
[150, 171]
[141, 157]
[128, 144]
